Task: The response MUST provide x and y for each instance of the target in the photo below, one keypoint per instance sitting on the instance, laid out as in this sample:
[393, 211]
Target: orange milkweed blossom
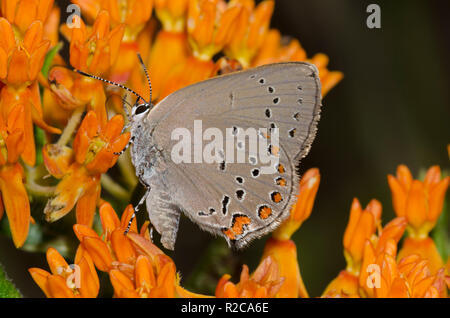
[95, 150]
[67, 281]
[13, 196]
[136, 267]
[384, 277]
[133, 16]
[21, 59]
[421, 202]
[265, 282]
[358, 238]
[94, 51]
[23, 13]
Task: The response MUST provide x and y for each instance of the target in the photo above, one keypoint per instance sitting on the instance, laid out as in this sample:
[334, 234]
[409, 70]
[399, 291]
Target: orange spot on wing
[237, 228]
[265, 212]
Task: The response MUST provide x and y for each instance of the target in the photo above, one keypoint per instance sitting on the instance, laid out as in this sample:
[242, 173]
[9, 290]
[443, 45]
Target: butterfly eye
[141, 109]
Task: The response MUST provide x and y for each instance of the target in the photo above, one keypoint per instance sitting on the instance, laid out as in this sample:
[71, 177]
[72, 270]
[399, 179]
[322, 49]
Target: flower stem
[71, 126]
[33, 188]
[115, 189]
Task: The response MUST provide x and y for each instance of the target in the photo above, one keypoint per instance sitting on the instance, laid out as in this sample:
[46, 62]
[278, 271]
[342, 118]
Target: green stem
[71, 127]
[33, 174]
[115, 189]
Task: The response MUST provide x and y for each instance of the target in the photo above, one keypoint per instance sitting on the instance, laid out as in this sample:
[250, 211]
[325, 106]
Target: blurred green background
[392, 107]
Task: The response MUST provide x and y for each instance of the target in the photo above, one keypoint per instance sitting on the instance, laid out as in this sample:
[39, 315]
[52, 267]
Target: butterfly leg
[164, 216]
[136, 209]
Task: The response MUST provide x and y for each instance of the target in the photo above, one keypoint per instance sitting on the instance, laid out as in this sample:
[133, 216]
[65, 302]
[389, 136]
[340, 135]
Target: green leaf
[7, 289]
[49, 58]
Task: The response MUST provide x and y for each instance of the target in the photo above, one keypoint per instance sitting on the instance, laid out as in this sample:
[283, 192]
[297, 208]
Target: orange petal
[37, 60]
[99, 252]
[122, 247]
[398, 195]
[57, 159]
[57, 287]
[123, 286]
[436, 199]
[15, 200]
[89, 285]
[165, 283]
[56, 262]
[7, 41]
[82, 231]
[25, 14]
[18, 68]
[15, 145]
[432, 177]
[113, 128]
[33, 36]
[40, 277]
[87, 204]
[110, 220]
[145, 277]
[126, 216]
[416, 205]
[3, 63]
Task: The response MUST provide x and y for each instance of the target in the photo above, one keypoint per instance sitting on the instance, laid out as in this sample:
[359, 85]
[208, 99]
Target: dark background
[391, 108]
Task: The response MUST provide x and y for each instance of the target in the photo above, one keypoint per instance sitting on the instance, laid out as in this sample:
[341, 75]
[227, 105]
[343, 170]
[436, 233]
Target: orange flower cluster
[374, 267]
[23, 46]
[94, 151]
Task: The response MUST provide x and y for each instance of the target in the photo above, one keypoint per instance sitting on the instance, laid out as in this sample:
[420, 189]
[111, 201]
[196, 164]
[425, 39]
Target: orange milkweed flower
[131, 13]
[408, 278]
[23, 13]
[265, 282]
[250, 30]
[14, 197]
[379, 251]
[361, 227]
[20, 62]
[21, 59]
[421, 202]
[211, 25]
[67, 281]
[346, 284]
[136, 267]
[95, 51]
[95, 149]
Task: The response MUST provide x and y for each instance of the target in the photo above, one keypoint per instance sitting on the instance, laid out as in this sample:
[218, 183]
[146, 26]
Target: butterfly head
[140, 111]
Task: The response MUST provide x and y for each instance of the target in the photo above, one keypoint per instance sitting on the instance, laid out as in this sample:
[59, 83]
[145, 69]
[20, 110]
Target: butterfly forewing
[237, 199]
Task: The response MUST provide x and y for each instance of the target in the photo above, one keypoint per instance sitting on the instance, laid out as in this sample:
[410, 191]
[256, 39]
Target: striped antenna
[146, 74]
[112, 83]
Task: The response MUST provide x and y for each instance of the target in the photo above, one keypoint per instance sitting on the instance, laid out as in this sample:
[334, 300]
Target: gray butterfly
[234, 200]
